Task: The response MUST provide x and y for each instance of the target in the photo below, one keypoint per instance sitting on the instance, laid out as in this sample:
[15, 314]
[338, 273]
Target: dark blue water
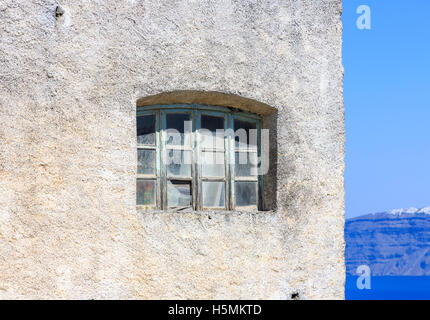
[389, 288]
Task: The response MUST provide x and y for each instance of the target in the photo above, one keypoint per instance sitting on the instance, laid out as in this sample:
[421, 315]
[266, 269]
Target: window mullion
[158, 196]
[163, 169]
[231, 162]
[197, 183]
[226, 162]
[260, 204]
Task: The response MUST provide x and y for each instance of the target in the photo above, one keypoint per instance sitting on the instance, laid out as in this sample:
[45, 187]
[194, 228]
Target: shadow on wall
[270, 121]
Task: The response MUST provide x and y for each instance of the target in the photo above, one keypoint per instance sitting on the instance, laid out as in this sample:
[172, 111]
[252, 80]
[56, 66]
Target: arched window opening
[198, 157]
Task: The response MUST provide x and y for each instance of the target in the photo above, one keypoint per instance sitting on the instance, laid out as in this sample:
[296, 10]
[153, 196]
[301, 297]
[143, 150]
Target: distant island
[394, 243]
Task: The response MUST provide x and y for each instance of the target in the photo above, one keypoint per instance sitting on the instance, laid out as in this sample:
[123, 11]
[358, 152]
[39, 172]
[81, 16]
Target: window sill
[201, 212]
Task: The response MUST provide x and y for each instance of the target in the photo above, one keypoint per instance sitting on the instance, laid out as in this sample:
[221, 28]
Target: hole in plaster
[295, 296]
[59, 11]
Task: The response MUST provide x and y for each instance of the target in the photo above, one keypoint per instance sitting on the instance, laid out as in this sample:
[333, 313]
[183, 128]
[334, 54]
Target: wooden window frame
[161, 177]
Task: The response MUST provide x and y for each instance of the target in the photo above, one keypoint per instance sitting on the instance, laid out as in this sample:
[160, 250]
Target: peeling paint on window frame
[161, 177]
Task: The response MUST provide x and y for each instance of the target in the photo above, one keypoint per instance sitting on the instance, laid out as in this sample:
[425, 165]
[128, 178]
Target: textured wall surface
[68, 90]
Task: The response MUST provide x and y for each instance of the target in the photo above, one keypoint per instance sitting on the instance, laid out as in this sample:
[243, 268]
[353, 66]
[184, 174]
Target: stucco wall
[68, 91]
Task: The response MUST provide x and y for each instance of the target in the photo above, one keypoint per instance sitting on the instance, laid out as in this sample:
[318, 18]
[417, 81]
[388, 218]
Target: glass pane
[178, 193]
[145, 161]
[246, 164]
[245, 134]
[146, 129]
[145, 192]
[213, 194]
[210, 137]
[245, 193]
[213, 164]
[179, 129]
[179, 163]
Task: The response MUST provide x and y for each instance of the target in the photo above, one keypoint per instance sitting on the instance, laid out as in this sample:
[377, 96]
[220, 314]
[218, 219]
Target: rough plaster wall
[68, 91]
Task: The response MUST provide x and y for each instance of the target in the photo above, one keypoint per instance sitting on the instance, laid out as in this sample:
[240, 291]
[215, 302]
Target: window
[199, 157]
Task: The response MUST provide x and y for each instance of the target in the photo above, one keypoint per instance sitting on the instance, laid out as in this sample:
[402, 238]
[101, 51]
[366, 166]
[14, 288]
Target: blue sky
[387, 103]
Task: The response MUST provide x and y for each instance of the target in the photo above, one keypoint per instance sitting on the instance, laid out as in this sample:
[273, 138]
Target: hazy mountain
[391, 243]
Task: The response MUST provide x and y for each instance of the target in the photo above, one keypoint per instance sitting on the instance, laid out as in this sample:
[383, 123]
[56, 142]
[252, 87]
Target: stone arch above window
[212, 98]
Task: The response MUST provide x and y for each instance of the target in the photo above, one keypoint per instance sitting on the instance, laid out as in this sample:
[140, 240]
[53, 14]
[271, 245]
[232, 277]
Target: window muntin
[211, 164]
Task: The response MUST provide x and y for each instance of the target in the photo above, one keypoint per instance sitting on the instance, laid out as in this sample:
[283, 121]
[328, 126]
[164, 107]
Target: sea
[389, 288]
